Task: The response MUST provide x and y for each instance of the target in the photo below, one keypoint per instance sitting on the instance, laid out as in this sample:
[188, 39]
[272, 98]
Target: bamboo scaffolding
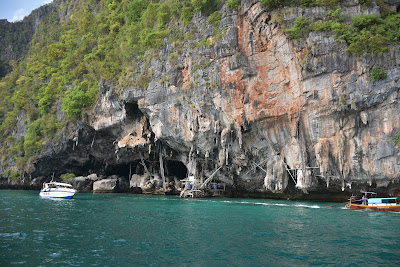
[210, 178]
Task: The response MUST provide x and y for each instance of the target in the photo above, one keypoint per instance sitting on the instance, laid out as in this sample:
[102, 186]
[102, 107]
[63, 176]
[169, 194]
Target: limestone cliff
[282, 118]
[15, 37]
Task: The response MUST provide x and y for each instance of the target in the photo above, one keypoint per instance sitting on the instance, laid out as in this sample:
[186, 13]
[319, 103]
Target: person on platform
[364, 200]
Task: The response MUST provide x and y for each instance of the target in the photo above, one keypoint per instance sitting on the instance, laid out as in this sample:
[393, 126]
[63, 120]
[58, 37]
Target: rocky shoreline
[143, 184]
[278, 118]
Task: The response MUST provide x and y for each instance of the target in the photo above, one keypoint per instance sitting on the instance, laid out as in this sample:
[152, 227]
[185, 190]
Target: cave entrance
[132, 110]
[292, 177]
[124, 169]
[172, 168]
[176, 168]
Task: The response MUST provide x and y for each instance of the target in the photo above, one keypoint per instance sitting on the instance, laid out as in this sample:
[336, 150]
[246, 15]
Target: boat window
[390, 200]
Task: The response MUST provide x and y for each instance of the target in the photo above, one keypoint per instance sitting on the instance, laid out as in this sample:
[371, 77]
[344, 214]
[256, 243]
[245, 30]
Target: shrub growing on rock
[67, 177]
[378, 74]
[234, 4]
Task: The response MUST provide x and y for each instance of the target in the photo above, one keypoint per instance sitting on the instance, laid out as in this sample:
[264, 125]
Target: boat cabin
[56, 185]
[387, 201]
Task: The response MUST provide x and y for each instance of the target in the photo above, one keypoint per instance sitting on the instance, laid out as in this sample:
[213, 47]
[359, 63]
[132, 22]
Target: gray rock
[84, 184]
[110, 185]
[255, 103]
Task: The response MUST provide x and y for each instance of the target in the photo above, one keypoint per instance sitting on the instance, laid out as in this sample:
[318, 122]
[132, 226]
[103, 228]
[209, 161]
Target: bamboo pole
[254, 167]
[209, 178]
[284, 164]
[260, 167]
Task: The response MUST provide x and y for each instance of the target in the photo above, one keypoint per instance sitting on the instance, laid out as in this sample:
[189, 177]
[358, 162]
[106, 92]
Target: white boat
[57, 190]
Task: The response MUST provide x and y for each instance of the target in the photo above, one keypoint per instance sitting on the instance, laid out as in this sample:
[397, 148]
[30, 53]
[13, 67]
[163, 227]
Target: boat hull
[393, 208]
[57, 194]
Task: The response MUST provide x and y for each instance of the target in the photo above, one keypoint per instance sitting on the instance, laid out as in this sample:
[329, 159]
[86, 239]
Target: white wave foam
[289, 205]
[264, 203]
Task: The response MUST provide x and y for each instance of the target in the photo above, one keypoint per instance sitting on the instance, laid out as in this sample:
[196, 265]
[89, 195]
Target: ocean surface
[139, 230]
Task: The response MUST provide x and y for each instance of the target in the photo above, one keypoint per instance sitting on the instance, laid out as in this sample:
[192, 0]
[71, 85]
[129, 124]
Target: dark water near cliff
[136, 230]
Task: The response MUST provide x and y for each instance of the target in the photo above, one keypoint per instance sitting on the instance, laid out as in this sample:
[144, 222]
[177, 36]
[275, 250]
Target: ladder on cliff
[210, 178]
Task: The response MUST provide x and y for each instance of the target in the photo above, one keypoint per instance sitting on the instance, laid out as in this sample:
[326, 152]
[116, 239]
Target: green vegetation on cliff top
[57, 79]
[366, 34]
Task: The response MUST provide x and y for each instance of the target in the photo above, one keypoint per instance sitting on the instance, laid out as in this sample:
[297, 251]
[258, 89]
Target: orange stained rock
[132, 141]
[173, 115]
[186, 73]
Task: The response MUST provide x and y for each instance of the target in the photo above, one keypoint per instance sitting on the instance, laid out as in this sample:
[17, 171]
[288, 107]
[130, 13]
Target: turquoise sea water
[138, 230]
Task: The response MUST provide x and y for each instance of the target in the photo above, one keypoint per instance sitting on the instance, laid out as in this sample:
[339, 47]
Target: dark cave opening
[132, 110]
[176, 168]
[124, 169]
[171, 168]
[75, 165]
[291, 186]
[90, 166]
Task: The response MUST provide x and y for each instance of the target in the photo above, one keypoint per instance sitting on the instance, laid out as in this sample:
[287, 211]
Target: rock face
[85, 184]
[110, 185]
[16, 36]
[283, 119]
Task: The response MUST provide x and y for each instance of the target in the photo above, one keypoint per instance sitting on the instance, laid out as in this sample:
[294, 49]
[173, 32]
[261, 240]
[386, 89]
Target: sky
[15, 10]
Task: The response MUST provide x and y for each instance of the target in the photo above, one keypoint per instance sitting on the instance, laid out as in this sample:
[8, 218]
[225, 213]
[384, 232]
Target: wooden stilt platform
[194, 188]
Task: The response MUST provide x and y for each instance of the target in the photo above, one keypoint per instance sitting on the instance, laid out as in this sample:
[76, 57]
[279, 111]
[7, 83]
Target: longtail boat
[371, 202]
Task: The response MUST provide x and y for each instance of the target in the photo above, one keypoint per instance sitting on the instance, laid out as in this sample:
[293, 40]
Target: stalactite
[94, 136]
[162, 168]
[226, 157]
[239, 135]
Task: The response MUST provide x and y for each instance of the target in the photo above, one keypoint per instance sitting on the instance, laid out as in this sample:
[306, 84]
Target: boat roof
[381, 199]
[60, 184]
[386, 198]
[366, 192]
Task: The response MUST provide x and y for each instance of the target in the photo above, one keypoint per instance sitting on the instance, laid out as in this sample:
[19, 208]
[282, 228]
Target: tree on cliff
[78, 44]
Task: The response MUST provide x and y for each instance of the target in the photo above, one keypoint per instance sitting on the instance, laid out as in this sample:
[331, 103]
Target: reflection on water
[126, 230]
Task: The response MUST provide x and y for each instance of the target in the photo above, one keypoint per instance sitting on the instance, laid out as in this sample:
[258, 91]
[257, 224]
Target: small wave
[55, 254]
[17, 235]
[119, 240]
[39, 231]
[288, 205]
[261, 203]
[308, 206]
[262, 234]
[18, 262]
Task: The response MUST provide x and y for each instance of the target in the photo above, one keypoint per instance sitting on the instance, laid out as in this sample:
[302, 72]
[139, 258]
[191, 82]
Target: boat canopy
[59, 184]
[383, 200]
[368, 193]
